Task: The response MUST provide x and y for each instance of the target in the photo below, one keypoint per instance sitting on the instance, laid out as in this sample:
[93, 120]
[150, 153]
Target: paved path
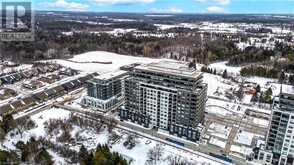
[230, 141]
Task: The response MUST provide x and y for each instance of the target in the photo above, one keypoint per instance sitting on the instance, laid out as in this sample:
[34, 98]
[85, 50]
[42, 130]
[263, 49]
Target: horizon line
[160, 13]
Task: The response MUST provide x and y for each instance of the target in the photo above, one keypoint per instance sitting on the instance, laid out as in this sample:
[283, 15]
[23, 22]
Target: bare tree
[155, 154]
[176, 160]
[2, 135]
[240, 92]
[21, 126]
[112, 124]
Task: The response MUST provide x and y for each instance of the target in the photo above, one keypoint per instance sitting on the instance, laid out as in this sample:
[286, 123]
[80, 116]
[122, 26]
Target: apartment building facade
[279, 147]
[106, 91]
[168, 96]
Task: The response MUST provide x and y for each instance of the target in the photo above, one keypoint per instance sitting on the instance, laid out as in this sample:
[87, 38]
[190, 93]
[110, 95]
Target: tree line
[260, 71]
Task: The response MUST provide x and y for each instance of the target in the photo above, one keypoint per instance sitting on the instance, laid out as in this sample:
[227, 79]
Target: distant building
[105, 92]
[167, 95]
[279, 147]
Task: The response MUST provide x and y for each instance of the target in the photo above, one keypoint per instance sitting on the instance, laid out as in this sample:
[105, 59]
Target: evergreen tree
[203, 69]
[291, 57]
[8, 123]
[8, 157]
[268, 95]
[258, 88]
[291, 79]
[225, 74]
[2, 135]
[103, 156]
[282, 77]
[269, 92]
[84, 156]
[43, 158]
[240, 92]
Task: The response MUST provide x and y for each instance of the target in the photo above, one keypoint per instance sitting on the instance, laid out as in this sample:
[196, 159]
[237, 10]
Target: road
[198, 149]
[202, 150]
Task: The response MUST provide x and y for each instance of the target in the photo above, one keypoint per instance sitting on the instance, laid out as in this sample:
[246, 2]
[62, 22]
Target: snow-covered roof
[111, 75]
[288, 89]
[171, 67]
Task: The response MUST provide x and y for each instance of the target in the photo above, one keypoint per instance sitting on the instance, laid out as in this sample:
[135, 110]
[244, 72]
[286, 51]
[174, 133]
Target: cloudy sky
[170, 6]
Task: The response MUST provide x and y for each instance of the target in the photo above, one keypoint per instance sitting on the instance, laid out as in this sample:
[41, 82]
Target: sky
[170, 6]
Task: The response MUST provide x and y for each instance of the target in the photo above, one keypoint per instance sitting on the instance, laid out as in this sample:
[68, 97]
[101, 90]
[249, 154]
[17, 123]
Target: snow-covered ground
[138, 154]
[261, 122]
[140, 151]
[217, 142]
[246, 138]
[14, 69]
[221, 67]
[119, 31]
[223, 108]
[100, 56]
[39, 131]
[217, 83]
[219, 130]
[241, 150]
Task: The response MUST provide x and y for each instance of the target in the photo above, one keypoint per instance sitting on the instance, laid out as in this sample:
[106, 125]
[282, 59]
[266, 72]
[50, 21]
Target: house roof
[29, 100]
[17, 104]
[5, 108]
[50, 92]
[59, 89]
[41, 96]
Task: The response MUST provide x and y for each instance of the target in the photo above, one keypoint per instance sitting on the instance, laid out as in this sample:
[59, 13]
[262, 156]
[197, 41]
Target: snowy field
[220, 67]
[39, 131]
[100, 56]
[225, 108]
[138, 154]
[215, 83]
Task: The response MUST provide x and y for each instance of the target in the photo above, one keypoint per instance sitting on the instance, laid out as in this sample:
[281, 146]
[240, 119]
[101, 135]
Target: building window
[268, 158]
[261, 156]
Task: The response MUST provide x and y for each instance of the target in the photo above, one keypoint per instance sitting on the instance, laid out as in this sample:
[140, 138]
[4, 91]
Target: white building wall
[102, 105]
[164, 109]
[151, 105]
[288, 145]
[157, 102]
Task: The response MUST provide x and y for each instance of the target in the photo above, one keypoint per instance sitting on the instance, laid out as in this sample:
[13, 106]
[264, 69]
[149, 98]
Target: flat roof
[111, 75]
[171, 67]
[288, 89]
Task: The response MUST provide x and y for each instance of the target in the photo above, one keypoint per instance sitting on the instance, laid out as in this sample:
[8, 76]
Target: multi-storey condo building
[166, 95]
[106, 91]
[279, 147]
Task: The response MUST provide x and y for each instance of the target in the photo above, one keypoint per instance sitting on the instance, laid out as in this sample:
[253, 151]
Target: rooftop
[288, 89]
[171, 67]
[111, 75]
